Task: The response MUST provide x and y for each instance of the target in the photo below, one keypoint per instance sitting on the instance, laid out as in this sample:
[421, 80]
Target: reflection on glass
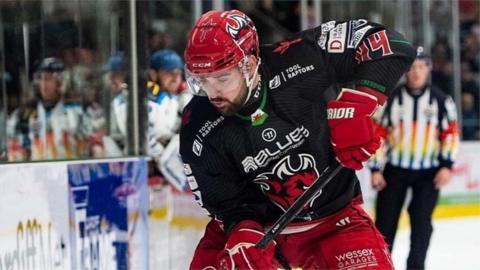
[48, 126]
[59, 99]
[88, 36]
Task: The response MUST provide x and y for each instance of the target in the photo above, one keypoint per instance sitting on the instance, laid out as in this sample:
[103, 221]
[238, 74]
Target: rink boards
[80, 215]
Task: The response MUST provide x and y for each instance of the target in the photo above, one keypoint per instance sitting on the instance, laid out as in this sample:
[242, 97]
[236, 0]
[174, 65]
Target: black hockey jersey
[240, 171]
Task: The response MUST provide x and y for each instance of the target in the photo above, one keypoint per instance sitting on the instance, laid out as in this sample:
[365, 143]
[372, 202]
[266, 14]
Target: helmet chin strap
[249, 81]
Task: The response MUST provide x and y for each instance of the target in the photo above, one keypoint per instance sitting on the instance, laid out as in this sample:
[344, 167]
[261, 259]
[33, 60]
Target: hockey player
[116, 75]
[420, 122]
[265, 125]
[48, 128]
[163, 98]
[166, 100]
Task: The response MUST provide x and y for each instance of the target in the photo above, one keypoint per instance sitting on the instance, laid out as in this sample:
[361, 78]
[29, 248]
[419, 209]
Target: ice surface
[455, 244]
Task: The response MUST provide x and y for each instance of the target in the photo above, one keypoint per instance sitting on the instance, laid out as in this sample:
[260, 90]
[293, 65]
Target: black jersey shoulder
[291, 60]
[199, 121]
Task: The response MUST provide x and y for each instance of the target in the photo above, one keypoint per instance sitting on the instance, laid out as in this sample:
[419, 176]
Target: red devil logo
[239, 22]
[284, 183]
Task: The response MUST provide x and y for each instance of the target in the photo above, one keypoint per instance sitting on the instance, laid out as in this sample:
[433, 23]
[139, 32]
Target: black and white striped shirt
[420, 128]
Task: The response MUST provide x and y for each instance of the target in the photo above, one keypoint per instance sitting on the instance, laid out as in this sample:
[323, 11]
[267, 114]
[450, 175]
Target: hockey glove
[240, 251]
[352, 131]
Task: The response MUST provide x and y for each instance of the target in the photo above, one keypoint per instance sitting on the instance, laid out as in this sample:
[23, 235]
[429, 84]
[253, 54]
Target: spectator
[94, 110]
[115, 70]
[47, 127]
[159, 39]
[470, 130]
[471, 50]
[441, 64]
[469, 83]
[420, 122]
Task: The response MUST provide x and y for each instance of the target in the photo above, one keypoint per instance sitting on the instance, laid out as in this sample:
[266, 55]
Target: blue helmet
[51, 65]
[166, 59]
[115, 63]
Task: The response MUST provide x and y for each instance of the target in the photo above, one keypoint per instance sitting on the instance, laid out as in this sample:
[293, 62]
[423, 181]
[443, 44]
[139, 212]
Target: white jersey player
[166, 100]
[48, 127]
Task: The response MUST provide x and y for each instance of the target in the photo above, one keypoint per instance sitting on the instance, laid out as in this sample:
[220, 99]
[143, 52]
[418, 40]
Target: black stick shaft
[297, 206]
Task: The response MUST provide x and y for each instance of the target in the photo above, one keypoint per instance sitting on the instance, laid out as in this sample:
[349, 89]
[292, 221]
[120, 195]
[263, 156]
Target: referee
[420, 130]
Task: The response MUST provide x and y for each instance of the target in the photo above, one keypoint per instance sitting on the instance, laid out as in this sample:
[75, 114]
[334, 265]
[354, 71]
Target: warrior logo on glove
[286, 181]
[340, 113]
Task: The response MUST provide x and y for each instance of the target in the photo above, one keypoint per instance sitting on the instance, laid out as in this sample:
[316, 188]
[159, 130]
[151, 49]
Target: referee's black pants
[424, 199]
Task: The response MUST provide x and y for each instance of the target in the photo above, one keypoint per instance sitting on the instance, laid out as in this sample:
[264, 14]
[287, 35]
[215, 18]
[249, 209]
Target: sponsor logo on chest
[269, 134]
[292, 140]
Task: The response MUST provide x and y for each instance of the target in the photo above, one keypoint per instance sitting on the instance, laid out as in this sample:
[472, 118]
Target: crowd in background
[89, 89]
[442, 73]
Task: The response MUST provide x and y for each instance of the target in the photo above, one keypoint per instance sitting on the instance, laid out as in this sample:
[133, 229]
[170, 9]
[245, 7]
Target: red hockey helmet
[219, 41]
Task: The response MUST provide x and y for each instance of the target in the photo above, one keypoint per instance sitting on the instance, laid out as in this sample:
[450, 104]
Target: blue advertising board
[109, 211]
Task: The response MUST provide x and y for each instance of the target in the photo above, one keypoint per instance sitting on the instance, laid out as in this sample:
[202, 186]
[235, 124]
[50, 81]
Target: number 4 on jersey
[376, 41]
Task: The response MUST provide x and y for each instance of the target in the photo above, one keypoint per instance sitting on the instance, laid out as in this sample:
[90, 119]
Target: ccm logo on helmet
[202, 65]
[340, 113]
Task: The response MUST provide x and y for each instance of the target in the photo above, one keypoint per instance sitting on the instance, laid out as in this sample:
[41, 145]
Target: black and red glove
[352, 131]
[240, 251]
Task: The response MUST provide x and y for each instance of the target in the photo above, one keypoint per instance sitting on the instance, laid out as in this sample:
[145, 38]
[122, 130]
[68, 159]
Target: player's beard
[231, 107]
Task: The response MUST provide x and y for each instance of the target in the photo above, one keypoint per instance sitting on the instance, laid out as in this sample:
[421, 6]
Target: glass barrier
[65, 78]
[67, 75]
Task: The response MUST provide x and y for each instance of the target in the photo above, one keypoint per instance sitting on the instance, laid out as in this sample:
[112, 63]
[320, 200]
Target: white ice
[455, 244]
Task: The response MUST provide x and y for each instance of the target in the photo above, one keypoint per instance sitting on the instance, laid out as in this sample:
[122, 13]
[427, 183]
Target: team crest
[289, 178]
[239, 22]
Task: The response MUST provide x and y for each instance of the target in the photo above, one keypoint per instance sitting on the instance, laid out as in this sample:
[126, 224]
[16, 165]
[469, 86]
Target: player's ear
[251, 64]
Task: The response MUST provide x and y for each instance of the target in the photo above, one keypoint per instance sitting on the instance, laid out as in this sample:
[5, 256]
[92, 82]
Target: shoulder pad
[290, 60]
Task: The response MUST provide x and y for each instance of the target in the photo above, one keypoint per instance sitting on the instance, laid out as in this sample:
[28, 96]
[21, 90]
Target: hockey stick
[298, 205]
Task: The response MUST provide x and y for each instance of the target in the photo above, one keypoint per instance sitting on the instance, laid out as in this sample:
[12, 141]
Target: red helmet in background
[220, 40]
